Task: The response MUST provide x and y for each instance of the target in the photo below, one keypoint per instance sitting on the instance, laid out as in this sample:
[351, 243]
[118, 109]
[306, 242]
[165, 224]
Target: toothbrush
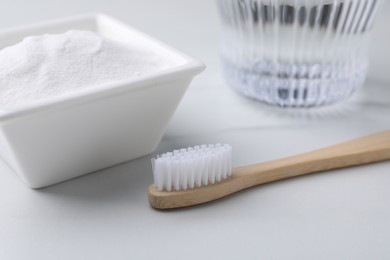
[204, 173]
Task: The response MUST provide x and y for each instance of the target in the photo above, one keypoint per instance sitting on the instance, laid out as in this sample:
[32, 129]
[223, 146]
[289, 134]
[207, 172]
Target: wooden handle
[363, 150]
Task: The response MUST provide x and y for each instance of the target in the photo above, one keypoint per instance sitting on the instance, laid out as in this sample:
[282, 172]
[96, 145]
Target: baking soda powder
[47, 66]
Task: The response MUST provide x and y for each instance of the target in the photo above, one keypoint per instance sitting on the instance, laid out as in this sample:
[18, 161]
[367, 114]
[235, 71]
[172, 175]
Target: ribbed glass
[296, 53]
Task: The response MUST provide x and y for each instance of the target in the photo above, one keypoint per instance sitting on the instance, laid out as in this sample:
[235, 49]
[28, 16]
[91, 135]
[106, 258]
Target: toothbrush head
[192, 167]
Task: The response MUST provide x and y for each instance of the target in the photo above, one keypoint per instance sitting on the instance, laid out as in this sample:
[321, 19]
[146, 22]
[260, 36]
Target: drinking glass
[296, 53]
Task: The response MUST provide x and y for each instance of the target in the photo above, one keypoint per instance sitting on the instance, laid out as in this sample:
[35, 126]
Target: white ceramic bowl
[75, 134]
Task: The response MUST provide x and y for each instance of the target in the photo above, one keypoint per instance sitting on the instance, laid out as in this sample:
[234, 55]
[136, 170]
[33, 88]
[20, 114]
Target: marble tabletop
[342, 214]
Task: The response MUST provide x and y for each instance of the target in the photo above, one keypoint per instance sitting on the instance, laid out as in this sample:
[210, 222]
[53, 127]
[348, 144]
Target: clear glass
[296, 53]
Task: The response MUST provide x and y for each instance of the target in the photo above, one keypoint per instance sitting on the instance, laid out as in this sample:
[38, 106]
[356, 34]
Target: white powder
[42, 67]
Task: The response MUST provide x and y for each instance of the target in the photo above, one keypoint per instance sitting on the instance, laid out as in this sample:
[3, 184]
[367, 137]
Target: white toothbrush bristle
[193, 167]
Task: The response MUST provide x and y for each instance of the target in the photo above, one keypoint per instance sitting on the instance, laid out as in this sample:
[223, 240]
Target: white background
[343, 214]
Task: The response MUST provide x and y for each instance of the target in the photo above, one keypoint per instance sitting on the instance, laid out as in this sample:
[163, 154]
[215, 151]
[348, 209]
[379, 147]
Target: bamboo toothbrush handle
[359, 151]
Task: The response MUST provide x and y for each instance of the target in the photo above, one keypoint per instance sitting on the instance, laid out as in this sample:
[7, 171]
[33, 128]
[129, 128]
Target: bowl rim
[188, 69]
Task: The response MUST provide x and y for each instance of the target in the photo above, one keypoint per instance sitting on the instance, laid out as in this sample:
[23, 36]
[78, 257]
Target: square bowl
[65, 137]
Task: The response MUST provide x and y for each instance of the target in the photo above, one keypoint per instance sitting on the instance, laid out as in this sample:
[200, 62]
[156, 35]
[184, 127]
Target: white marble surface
[343, 214]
